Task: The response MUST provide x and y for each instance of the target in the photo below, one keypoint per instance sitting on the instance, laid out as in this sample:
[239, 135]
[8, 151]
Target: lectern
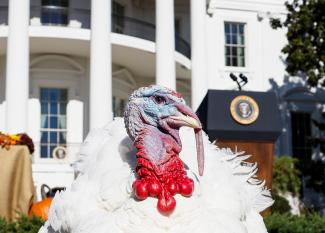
[243, 121]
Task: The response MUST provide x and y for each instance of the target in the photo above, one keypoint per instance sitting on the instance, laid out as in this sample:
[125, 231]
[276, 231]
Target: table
[16, 182]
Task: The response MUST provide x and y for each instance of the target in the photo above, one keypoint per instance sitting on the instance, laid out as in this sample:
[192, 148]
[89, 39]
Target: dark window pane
[51, 16]
[241, 51]
[51, 150]
[53, 137]
[55, 12]
[301, 132]
[63, 95]
[233, 51]
[228, 39]
[118, 8]
[63, 3]
[44, 152]
[227, 28]
[44, 121]
[241, 61]
[63, 138]
[44, 108]
[53, 95]
[234, 39]
[63, 108]
[54, 108]
[227, 51]
[62, 122]
[228, 61]
[44, 137]
[234, 61]
[44, 94]
[241, 40]
[54, 122]
[241, 29]
[234, 28]
[118, 19]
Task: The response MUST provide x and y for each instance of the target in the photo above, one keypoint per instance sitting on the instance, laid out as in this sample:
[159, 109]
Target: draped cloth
[16, 182]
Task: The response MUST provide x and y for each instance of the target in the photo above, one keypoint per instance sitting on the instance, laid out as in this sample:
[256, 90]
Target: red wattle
[161, 179]
[172, 188]
[136, 183]
[186, 187]
[166, 205]
[141, 190]
[154, 188]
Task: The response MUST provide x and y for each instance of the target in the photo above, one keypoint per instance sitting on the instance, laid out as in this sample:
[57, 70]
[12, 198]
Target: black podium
[243, 121]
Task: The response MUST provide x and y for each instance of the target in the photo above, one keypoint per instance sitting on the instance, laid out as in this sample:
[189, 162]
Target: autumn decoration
[41, 208]
[7, 140]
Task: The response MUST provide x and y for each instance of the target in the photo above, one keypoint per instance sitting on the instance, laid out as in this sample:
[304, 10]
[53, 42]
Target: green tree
[305, 50]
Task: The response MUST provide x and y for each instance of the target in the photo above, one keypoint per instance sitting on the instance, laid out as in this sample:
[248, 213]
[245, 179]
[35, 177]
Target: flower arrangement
[7, 140]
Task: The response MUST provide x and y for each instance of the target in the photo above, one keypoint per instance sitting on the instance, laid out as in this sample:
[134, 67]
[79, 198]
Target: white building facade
[67, 66]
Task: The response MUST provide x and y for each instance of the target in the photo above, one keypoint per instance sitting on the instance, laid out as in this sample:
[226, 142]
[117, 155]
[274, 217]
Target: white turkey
[154, 177]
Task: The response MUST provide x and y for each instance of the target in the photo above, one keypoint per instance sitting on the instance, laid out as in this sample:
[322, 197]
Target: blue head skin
[152, 106]
[159, 103]
[164, 109]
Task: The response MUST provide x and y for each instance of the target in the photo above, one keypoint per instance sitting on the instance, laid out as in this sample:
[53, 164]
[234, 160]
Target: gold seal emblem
[244, 109]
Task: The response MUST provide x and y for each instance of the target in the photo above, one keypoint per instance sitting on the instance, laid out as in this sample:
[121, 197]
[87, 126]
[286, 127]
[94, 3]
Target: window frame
[307, 147]
[62, 9]
[49, 129]
[252, 31]
[235, 46]
[51, 81]
[117, 26]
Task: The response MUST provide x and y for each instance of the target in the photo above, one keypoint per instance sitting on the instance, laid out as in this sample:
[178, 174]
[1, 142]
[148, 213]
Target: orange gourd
[41, 209]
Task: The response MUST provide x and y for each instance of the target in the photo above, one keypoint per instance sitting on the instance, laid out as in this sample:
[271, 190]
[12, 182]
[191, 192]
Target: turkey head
[153, 117]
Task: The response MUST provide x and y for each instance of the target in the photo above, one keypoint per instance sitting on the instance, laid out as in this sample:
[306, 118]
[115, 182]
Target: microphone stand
[235, 79]
[243, 82]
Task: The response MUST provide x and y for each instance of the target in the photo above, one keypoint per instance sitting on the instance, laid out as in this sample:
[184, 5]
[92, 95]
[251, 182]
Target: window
[177, 23]
[55, 12]
[118, 17]
[235, 44]
[301, 133]
[118, 106]
[53, 119]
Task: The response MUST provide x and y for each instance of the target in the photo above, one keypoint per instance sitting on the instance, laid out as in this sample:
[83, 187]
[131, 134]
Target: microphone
[235, 79]
[243, 78]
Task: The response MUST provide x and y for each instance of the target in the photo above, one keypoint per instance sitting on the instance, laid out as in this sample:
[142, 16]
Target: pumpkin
[41, 209]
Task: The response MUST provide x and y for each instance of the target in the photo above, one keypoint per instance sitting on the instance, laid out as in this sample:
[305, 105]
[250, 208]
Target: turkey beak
[185, 120]
[187, 117]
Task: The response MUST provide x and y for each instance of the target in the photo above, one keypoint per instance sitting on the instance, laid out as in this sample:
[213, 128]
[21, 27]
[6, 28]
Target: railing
[120, 24]
[138, 28]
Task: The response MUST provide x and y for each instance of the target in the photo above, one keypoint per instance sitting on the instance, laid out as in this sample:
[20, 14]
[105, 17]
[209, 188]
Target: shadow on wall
[303, 117]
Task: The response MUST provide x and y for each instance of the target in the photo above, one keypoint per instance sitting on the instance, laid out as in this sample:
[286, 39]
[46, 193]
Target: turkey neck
[157, 151]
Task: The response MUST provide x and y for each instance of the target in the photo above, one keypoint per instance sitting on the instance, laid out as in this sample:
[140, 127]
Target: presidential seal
[244, 110]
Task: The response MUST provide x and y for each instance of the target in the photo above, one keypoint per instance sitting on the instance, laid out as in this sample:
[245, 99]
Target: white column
[165, 44]
[100, 64]
[17, 78]
[198, 52]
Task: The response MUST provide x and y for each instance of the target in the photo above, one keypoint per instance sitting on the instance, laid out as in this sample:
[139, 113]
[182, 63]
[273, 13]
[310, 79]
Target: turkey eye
[159, 100]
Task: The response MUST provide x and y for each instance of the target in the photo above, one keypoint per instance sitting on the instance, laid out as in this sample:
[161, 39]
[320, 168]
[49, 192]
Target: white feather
[228, 198]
